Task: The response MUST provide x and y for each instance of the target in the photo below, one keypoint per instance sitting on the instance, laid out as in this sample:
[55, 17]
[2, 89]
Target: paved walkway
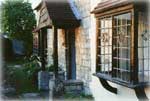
[9, 93]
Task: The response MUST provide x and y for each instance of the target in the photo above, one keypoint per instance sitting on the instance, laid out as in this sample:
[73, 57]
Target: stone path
[8, 92]
[44, 96]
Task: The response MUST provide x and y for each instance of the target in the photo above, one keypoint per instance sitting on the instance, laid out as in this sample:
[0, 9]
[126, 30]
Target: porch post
[39, 43]
[55, 51]
[43, 31]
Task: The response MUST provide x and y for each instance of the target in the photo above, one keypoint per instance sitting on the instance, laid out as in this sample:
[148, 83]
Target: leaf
[18, 19]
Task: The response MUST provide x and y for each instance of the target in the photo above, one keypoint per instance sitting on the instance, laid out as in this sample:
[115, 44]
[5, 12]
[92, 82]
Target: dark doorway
[70, 53]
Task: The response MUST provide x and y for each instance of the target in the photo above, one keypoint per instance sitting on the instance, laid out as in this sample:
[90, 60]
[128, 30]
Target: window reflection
[106, 44]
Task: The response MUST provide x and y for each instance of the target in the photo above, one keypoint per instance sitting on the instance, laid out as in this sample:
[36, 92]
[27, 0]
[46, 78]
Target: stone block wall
[50, 46]
[83, 43]
[61, 49]
[83, 49]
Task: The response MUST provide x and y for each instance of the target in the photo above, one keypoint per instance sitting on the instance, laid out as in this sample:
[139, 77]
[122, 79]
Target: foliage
[7, 49]
[50, 68]
[18, 20]
[23, 78]
[31, 68]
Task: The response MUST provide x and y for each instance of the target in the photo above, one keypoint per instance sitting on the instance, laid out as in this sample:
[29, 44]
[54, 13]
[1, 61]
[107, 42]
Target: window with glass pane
[121, 46]
[105, 45]
[144, 48]
[116, 51]
[114, 45]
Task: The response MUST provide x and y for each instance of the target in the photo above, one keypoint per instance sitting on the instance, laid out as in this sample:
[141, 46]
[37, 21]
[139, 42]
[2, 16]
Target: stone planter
[46, 80]
[61, 75]
[43, 80]
[51, 81]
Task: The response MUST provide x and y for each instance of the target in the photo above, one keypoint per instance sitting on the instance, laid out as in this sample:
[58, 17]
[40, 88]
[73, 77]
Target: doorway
[70, 54]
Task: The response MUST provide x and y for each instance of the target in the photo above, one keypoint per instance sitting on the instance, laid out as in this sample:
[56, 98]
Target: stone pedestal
[43, 80]
[52, 81]
[61, 75]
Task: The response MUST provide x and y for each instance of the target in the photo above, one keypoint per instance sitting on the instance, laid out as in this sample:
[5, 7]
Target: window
[114, 46]
[105, 45]
[144, 48]
[123, 45]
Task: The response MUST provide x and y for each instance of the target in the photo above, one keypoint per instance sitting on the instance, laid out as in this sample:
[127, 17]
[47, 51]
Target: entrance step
[73, 86]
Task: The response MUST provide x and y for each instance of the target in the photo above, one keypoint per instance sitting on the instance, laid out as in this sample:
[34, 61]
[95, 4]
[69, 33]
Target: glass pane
[105, 45]
[102, 24]
[144, 47]
[122, 32]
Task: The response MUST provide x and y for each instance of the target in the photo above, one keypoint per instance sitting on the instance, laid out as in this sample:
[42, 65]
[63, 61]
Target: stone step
[74, 86]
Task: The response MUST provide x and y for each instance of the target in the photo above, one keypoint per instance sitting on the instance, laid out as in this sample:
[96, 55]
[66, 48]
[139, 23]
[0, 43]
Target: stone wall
[61, 50]
[83, 56]
[50, 46]
[82, 42]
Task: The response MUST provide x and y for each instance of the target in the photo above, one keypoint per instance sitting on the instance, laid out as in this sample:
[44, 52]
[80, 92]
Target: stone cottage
[107, 38]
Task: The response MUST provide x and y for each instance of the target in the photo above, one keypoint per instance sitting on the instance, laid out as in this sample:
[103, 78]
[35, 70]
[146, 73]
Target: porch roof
[60, 13]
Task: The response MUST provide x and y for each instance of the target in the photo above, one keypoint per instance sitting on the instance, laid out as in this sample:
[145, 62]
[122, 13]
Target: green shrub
[31, 67]
[23, 78]
[50, 68]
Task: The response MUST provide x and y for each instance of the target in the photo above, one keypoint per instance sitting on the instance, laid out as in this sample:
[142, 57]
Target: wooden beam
[116, 11]
[43, 33]
[39, 43]
[107, 86]
[67, 51]
[55, 51]
[98, 50]
[134, 50]
[114, 51]
[140, 93]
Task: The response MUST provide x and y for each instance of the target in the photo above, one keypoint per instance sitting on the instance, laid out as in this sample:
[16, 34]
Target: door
[70, 54]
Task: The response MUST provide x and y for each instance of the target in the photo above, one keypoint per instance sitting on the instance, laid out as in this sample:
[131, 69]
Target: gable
[59, 13]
